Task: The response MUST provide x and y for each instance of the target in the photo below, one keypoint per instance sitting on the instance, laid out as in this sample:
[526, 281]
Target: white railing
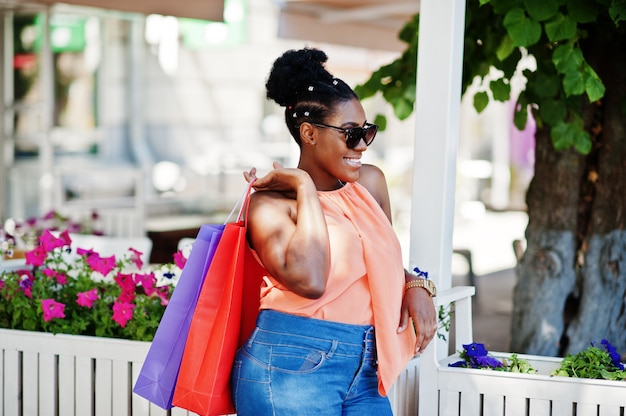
[66, 375]
[450, 391]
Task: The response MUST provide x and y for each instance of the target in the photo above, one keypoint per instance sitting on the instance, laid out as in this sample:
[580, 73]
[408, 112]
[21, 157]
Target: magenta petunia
[147, 281]
[87, 298]
[122, 313]
[58, 276]
[36, 257]
[125, 281]
[50, 242]
[102, 265]
[135, 257]
[179, 259]
[65, 236]
[52, 309]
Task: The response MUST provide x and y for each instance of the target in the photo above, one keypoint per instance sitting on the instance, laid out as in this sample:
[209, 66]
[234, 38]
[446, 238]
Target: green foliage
[591, 363]
[64, 278]
[498, 34]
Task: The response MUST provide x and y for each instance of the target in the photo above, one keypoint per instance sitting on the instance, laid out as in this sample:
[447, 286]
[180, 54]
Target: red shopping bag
[157, 378]
[220, 322]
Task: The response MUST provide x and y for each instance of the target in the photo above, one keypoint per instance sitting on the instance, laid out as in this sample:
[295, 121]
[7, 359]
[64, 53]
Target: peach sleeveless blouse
[366, 280]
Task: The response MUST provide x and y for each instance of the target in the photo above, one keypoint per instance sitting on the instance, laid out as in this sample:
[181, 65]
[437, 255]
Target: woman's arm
[287, 228]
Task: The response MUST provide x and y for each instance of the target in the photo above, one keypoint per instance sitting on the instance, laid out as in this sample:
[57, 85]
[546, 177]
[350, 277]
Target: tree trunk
[571, 286]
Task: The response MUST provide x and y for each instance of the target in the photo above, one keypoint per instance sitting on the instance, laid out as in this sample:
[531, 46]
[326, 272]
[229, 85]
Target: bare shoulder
[373, 179]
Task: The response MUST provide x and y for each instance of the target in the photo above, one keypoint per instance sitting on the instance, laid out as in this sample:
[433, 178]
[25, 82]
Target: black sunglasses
[354, 135]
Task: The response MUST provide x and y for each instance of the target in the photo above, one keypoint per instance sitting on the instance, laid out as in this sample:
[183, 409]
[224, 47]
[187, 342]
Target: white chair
[116, 194]
[109, 246]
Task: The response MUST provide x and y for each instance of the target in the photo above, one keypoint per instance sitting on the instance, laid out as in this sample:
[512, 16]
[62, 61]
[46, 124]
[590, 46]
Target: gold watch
[427, 284]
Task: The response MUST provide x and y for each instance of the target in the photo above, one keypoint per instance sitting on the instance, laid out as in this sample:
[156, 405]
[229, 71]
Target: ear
[307, 133]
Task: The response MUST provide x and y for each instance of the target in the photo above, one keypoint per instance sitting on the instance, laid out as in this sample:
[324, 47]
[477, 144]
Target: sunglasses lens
[370, 133]
[353, 137]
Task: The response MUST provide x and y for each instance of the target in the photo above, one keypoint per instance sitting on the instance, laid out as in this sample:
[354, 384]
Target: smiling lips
[353, 161]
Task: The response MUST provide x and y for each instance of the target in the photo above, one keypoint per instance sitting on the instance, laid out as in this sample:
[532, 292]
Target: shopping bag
[158, 374]
[219, 324]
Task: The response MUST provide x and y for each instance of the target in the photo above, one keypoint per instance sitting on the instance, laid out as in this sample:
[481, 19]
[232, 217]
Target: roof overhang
[373, 24]
[197, 9]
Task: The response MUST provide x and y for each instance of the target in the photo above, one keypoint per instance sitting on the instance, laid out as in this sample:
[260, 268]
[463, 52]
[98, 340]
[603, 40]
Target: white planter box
[449, 391]
[67, 375]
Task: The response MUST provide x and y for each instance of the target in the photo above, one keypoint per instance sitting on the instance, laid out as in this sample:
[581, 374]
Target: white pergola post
[438, 102]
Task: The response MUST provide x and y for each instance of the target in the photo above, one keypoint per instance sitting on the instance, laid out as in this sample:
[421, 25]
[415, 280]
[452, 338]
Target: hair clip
[335, 82]
[310, 88]
[306, 113]
[294, 115]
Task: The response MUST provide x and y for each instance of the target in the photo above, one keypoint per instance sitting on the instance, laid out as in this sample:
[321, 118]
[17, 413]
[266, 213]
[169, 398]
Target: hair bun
[294, 72]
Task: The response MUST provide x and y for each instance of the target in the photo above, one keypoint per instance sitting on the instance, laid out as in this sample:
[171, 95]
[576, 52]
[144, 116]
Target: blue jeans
[294, 366]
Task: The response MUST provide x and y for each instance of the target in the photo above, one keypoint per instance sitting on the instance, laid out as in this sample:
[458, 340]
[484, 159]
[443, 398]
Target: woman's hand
[418, 305]
[279, 179]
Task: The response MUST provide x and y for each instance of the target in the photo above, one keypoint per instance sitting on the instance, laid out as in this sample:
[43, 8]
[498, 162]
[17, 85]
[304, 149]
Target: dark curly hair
[300, 82]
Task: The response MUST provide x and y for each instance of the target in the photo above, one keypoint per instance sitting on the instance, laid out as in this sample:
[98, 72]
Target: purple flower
[475, 349]
[615, 356]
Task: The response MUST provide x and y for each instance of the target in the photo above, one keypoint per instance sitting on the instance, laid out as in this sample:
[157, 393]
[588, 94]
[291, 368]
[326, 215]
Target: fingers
[424, 334]
[249, 176]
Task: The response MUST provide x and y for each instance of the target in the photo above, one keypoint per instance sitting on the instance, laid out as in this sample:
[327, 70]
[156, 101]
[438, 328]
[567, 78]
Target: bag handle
[242, 203]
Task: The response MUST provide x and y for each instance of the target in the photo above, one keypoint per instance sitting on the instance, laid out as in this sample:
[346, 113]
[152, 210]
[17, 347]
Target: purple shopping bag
[157, 378]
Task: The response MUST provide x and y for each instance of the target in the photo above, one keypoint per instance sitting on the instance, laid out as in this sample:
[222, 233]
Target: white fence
[65, 375]
[450, 391]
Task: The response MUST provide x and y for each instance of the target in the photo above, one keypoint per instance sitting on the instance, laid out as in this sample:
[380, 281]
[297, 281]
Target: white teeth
[353, 162]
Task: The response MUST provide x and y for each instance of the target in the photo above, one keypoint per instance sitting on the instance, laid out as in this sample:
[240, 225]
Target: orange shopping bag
[219, 324]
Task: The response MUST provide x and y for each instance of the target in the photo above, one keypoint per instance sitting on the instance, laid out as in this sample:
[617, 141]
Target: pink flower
[52, 309]
[60, 277]
[122, 313]
[87, 298]
[2, 284]
[136, 257]
[65, 236]
[125, 281]
[147, 281]
[179, 259]
[49, 241]
[36, 257]
[85, 252]
[101, 264]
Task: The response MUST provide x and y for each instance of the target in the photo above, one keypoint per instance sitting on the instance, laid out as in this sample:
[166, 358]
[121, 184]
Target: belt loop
[332, 350]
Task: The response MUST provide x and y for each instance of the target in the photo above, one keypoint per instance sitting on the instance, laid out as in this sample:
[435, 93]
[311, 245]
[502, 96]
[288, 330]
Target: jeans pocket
[294, 359]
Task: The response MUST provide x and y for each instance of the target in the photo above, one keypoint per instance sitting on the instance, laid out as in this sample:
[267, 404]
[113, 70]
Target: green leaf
[481, 99]
[567, 58]
[594, 87]
[583, 143]
[520, 118]
[563, 136]
[583, 11]
[560, 28]
[381, 120]
[545, 85]
[505, 48]
[523, 30]
[500, 89]
[617, 11]
[402, 108]
[483, 2]
[552, 111]
[574, 83]
[541, 9]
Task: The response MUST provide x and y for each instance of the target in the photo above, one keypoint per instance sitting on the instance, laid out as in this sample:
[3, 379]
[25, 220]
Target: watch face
[432, 287]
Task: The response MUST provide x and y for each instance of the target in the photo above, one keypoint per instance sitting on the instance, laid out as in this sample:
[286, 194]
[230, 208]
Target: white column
[438, 103]
[46, 149]
[6, 109]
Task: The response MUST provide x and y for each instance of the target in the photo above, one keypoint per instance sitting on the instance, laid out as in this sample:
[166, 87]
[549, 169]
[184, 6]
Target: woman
[334, 328]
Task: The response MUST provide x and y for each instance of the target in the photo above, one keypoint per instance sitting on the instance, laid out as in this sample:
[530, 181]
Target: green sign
[67, 32]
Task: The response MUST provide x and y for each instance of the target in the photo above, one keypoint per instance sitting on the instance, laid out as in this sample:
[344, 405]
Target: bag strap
[242, 203]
